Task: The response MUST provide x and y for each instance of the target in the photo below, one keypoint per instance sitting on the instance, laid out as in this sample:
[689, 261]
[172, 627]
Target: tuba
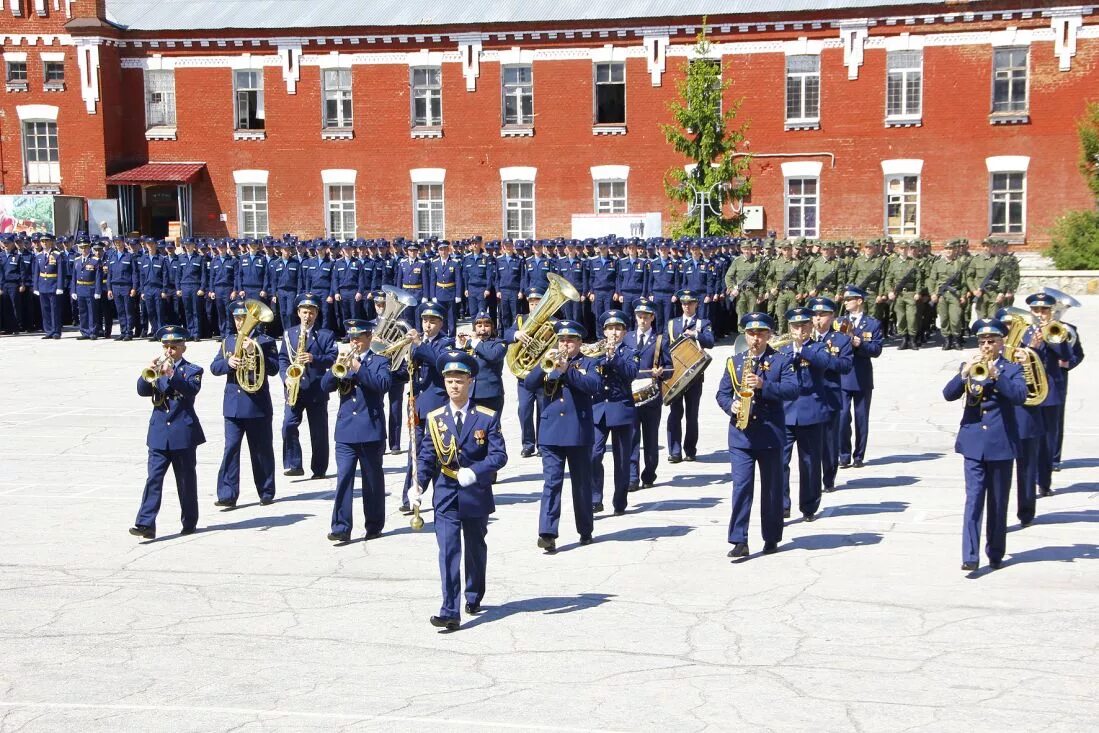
[391, 338]
[1034, 372]
[251, 372]
[295, 371]
[522, 358]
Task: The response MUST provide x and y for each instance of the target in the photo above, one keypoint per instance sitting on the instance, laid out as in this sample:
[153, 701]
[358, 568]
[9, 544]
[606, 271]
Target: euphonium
[390, 335]
[1034, 372]
[295, 371]
[522, 358]
[251, 372]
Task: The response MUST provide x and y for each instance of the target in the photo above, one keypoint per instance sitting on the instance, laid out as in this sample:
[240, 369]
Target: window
[1009, 77]
[16, 74]
[249, 99]
[902, 206]
[610, 197]
[802, 208]
[41, 153]
[429, 210]
[54, 73]
[341, 212]
[160, 99]
[610, 93]
[518, 95]
[904, 85]
[427, 97]
[253, 211]
[803, 88]
[519, 210]
[337, 98]
[1008, 203]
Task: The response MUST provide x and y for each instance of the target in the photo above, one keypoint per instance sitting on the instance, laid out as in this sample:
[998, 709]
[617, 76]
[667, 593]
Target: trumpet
[342, 365]
[1054, 332]
[980, 374]
[151, 373]
[549, 360]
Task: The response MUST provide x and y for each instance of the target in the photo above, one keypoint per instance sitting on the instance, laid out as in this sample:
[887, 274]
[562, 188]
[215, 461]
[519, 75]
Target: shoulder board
[437, 412]
[486, 410]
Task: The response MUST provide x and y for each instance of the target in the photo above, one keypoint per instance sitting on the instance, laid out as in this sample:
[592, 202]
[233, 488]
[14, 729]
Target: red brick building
[932, 118]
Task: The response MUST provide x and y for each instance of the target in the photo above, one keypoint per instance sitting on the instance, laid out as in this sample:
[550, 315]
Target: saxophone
[745, 394]
[295, 371]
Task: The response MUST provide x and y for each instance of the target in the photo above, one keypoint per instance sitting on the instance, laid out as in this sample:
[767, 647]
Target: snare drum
[645, 390]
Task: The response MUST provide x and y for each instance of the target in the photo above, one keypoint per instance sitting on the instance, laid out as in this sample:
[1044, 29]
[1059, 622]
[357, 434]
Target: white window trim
[803, 47]
[338, 176]
[904, 42]
[919, 199]
[799, 173]
[991, 173]
[36, 112]
[424, 58]
[240, 203]
[52, 57]
[902, 167]
[803, 122]
[342, 181]
[802, 169]
[1008, 163]
[609, 53]
[610, 172]
[516, 56]
[250, 177]
[416, 211]
[518, 174]
[504, 202]
[909, 116]
[625, 195]
[428, 176]
[1011, 36]
[15, 56]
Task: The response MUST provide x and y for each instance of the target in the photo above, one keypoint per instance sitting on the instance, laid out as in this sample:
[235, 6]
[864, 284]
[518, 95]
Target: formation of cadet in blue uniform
[629, 338]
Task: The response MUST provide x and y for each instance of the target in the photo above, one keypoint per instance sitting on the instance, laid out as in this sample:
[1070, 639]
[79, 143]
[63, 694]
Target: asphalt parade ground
[861, 622]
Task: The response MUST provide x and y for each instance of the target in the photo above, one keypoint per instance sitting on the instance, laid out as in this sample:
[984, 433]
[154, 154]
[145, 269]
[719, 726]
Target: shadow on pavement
[1086, 515]
[262, 523]
[697, 480]
[1087, 488]
[547, 605]
[637, 533]
[520, 479]
[832, 541]
[505, 499]
[310, 496]
[1080, 463]
[877, 482]
[1061, 553]
[672, 505]
[883, 507]
[903, 458]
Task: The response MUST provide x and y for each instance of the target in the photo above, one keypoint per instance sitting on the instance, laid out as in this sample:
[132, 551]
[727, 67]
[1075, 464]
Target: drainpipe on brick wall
[830, 156]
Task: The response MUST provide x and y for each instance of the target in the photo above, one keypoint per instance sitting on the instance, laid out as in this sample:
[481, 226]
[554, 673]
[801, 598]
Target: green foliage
[1075, 242]
[704, 134]
[1089, 144]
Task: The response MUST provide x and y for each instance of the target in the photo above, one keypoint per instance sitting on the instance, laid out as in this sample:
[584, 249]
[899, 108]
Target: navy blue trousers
[450, 311]
[986, 483]
[396, 413]
[154, 309]
[603, 302]
[51, 313]
[476, 301]
[449, 532]
[744, 463]
[124, 309]
[192, 312]
[317, 414]
[288, 311]
[89, 314]
[646, 430]
[182, 462]
[856, 404]
[506, 310]
[528, 406]
[621, 447]
[553, 470]
[682, 443]
[261, 450]
[810, 442]
[11, 309]
[665, 311]
[1026, 478]
[366, 457]
[830, 451]
[1047, 444]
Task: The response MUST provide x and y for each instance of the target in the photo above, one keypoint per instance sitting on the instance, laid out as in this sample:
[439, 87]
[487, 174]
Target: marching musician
[654, 359]
[489, 352]
[360, 430]
[246, 413]
[857, 385]
[687, 326]
[529, 404]
[838, 346]
[427, 386]
[566, 431]
[1052, 352]
[809, 414]
[1066, 367]
[465, 449]
[614, 414]
[174, 432]
[987, 439]
[1030, 426]
[314, 350]
[769, 376]
[396, 396]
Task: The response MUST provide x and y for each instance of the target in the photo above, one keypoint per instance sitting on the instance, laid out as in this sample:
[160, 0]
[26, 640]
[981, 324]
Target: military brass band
[800, 377]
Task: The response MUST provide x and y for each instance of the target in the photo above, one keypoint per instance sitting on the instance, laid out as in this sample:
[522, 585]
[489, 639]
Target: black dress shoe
[395, 451]
[1025, 524]
[632, 488]
[339, 536]
[145, 533]
[127, 338]
[674, 459]
[151, 338]
[82, 337]
[441, 622]
[472, 608]
[405, 508]
[547, 543]
[1045, 492]
[47, 336]
[846, 464]
[770, 548]
[995, 564]
[785, 513]
[1056, 466]
[527, 452]
[265, 500]
[969, 567]
[689, 459]
[857, 464]
[294, 472]
[373, 535]
[597, 507]
[740, 549]
[118, 338]
[225, 503]
[586, 539]
[809, 517]
[619, 512]
[316, 476]
[188, 530]
[648, 484]
[93, 338]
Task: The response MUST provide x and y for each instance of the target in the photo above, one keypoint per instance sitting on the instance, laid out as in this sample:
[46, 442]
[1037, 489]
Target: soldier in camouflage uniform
[866, 272]
[746, 278]
[785, 283]
[925, 309]
[1009, 264]
[883, 307]
[985, 274]
[827, 273]
[903, 283]
[946, 283]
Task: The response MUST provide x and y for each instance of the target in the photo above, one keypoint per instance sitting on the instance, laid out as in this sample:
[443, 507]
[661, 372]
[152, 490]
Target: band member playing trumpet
[654, 361]
[464, 450]
[566, 381]
[247, 413]
[174, 431]
[1054, 351]
[307, 353]
[987, 439]
[362, 379]
[754, 385]
[684, 445]
[489, 351]
[613, 411]
[857, 385]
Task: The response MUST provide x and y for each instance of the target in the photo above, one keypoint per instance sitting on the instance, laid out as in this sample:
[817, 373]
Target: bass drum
[645, 390]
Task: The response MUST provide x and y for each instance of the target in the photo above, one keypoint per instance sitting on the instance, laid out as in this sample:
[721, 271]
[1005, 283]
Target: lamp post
[702, 201]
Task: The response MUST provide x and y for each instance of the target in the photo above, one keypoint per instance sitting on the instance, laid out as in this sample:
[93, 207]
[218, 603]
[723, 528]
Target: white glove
[466, 477]
[457, 300]
[60, 292]
[97, 297]
[414, 495]
[37, 293]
